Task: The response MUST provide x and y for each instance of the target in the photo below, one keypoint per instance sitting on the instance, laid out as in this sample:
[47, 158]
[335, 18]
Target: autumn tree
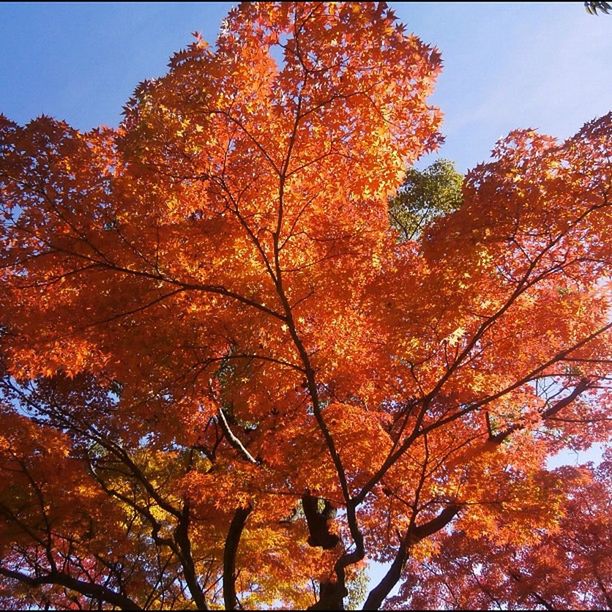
[229, 381]
[477, 573]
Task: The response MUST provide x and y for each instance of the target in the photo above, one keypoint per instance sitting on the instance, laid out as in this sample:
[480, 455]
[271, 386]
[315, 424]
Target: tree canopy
[424, 195]
[231, 379]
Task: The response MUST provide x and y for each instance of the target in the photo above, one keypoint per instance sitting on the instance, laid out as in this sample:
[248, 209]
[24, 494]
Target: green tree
[425, 195]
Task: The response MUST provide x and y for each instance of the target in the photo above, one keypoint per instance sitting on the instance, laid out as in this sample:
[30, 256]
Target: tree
[424, 195]
[476, 573]
[227, 380]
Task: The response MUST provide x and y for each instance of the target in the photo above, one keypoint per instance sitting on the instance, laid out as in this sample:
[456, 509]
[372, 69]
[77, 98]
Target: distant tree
[425, 195]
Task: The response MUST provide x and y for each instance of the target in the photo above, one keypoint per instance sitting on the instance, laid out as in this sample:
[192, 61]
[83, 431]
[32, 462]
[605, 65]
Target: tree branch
[94, 591]
[318, 522]
[229, 556]
[233, 440]
[414, 535]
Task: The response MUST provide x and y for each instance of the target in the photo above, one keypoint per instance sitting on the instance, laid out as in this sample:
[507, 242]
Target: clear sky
[507, 65]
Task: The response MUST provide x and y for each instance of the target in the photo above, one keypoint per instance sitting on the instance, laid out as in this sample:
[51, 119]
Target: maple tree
[477, 573]
[229, 381]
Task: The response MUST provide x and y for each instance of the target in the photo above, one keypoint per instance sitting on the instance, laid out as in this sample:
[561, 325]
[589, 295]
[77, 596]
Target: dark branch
[229, 556]
[415, 534]
[318, 522]
[94, 591]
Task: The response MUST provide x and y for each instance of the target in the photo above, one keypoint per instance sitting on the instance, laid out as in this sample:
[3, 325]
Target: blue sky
[507, 65]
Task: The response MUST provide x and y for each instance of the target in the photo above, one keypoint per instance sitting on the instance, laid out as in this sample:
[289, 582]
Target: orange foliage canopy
[227, 382]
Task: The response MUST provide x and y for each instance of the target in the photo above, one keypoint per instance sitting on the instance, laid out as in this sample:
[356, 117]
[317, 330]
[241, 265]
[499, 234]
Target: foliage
[474, 573]
[226, 380]
[593, 7]
[424, 195]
